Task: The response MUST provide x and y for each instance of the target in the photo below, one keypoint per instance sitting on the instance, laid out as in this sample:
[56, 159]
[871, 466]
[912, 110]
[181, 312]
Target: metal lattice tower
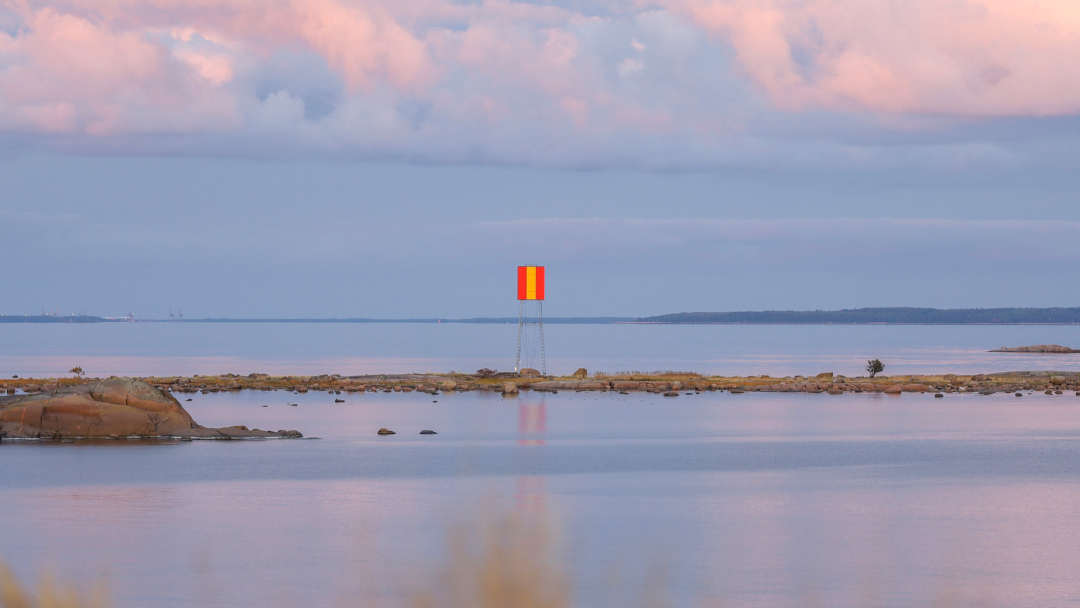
[530, 290]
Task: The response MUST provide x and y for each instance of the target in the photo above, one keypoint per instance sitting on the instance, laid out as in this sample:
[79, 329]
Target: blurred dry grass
[500, 559]
[507, 559]
[49, 594]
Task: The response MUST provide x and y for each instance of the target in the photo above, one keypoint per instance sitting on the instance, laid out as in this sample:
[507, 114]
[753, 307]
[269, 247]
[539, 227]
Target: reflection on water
[530, 490]
[750, 500]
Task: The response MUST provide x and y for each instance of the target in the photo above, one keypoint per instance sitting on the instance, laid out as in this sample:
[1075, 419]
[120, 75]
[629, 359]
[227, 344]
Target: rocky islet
[512, 384]
[107, 409]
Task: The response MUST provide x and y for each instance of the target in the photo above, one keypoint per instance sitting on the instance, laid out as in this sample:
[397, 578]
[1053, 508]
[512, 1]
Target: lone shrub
[874, 366]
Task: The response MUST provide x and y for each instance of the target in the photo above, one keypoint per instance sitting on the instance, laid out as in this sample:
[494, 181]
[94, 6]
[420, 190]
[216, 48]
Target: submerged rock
[118, 407]
[427, 432]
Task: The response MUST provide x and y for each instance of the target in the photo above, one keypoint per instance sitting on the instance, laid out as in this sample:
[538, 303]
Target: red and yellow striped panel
[530, 282]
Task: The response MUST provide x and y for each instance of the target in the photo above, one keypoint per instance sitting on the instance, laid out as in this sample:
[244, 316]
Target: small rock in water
[294, 404]
[339, 401]
[671, 394]
[1019, 394]
[936, 395]
[426, 432]
[386, 431]
[189, 399]
[266, 406]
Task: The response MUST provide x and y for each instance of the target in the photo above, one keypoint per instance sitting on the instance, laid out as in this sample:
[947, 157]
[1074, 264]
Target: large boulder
[915, 388]
[119, 407]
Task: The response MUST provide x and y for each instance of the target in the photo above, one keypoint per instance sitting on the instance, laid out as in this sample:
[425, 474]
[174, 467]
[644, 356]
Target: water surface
[752, 500]
[145, 349]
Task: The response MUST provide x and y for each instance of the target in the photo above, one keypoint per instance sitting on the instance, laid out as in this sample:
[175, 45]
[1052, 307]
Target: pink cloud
[516, 81]
[65, 73]
[361, 40]
[963, 57]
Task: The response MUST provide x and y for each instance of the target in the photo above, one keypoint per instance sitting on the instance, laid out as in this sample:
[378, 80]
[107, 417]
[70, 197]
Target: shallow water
[145, 349]
[749, 500]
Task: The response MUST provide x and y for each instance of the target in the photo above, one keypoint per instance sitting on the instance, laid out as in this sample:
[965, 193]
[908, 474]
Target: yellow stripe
[530, 282]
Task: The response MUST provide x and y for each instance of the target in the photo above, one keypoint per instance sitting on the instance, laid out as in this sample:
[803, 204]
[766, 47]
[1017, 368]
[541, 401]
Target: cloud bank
[602, 83]
[596, 266]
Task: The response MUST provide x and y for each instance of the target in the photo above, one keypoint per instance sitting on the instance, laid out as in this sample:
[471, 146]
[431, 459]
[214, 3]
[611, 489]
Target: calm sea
[739, 500]
[200, 348]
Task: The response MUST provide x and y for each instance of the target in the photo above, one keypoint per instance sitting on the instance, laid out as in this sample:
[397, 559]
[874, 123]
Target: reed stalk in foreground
[502, 559]
[506, 561]
[49, 595]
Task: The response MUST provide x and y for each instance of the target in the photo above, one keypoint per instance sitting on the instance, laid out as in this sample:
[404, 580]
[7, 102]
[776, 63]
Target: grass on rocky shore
[663, 375]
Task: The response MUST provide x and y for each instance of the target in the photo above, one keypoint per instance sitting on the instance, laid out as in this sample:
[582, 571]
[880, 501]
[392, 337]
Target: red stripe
[521, 282]
[539, 282]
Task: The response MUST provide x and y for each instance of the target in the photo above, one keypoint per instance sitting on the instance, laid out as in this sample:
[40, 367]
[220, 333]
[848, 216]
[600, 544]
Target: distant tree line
[900, 316]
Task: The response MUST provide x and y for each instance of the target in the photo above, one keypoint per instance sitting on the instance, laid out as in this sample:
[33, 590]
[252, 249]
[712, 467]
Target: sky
[388, 159]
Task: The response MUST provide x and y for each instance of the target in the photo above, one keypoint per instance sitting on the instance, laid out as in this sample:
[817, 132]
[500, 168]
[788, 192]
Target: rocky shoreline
[117, 408]
[125, 408]
[512, 383]
[1042, 349]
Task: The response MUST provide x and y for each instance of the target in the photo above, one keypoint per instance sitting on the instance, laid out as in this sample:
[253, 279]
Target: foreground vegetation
[501, 559]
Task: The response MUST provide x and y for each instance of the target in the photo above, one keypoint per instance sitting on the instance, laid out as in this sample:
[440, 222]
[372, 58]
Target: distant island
[854, 316]
[1042, 349]
[132, 319]
[881, 316]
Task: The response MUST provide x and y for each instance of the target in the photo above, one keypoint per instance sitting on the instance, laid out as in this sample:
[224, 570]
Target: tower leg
[543, 353]
[521, 326]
